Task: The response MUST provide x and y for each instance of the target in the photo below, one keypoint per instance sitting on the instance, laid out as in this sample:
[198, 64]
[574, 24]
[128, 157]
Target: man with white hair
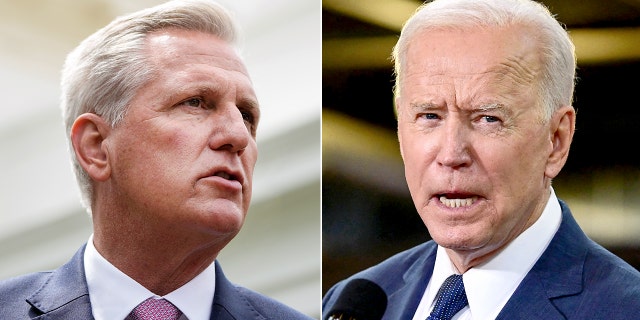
[161, 117]
[484, 93]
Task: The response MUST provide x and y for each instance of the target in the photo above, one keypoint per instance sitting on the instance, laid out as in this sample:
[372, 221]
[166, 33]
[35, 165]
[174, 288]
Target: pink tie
[155, 309]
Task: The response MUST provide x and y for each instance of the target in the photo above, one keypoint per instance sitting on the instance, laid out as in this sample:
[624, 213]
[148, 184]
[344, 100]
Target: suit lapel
[530, 301]
[405, 290]
[555, 276]
[228, 303]
[65, 294]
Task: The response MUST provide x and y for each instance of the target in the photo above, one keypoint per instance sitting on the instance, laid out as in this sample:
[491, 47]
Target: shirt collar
[113, 294]
[490, 285]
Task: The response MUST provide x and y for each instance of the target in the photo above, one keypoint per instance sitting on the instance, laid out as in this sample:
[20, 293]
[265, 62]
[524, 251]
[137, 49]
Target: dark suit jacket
[575, 278]
[63, 294]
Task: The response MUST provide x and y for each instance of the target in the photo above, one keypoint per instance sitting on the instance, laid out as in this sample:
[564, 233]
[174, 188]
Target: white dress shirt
[490, 285]
[114, 295]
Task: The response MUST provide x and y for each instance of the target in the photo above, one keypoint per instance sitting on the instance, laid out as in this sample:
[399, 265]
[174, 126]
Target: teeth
[457, 203]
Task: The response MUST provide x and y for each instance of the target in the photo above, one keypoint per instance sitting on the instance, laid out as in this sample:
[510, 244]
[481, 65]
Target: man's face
[471, 136]
[185, 152]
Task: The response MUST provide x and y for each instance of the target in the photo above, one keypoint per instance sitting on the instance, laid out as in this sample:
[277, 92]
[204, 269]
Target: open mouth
[225, 175]
[456, 202]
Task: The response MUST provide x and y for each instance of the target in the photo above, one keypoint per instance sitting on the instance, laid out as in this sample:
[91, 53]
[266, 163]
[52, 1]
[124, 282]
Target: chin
[221, 220]
[459, 239]
[453, 245]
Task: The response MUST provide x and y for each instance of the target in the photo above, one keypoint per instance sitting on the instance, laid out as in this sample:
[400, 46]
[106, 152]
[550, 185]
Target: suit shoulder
[269, 307]
[388, 272]
[606, 271]
[232, 301]
[399, 261]
[14, 291]
[27, 282]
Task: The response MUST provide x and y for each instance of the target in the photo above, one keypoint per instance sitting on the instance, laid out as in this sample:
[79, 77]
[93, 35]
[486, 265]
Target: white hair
[555, 47]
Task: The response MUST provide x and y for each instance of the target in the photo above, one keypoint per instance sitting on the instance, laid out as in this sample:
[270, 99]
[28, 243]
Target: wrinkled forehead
[509, 51]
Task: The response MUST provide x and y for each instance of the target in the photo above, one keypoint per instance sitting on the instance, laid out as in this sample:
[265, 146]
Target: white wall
[41, 221]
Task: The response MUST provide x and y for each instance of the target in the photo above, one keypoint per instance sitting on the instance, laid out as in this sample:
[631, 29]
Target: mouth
[456, 200]
[226, 174]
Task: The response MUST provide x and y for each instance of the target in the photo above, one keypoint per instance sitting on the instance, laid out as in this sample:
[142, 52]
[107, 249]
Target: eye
[193, 102]
[429, 116]
[249, 111]
[490, 119]
[248, 117]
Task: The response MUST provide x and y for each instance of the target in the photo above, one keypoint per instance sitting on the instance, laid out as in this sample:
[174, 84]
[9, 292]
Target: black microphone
[361, 299]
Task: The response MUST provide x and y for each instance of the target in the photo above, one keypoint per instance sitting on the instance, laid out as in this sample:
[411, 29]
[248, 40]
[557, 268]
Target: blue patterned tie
[451, 299]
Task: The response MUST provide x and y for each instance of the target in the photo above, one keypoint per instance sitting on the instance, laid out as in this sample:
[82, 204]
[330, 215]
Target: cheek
[249, 159]
[515, 171]
[416, 158]
[161, 153]
[530, 156]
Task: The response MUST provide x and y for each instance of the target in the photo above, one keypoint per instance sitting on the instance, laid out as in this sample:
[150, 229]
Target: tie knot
[155, 309]
[451, 299]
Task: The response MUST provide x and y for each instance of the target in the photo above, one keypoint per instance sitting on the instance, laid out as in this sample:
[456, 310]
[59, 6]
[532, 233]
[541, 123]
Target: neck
[160, 260]
[465, 259]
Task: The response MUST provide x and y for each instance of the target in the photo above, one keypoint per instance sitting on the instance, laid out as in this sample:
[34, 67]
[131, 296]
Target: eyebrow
[250, 104]
[422, 106]
[426, 106]
[490, 107]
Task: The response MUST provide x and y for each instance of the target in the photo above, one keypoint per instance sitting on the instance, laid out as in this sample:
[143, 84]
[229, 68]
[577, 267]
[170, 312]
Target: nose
[231, 132]
[454, 145]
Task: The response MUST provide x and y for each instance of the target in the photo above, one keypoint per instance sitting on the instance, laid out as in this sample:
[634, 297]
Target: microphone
[361, 299]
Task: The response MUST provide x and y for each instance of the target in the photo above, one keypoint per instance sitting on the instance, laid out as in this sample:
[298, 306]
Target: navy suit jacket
[575, 278]
[63, 294]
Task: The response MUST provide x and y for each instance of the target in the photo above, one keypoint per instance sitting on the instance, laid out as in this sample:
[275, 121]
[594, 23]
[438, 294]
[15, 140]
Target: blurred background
[41, 221]
[368, 214]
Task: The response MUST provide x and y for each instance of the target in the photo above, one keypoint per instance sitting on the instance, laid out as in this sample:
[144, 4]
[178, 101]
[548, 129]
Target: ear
[398, 114]
[88, 135]
[562, 127]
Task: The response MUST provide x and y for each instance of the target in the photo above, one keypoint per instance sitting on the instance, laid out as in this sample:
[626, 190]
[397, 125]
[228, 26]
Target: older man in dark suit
[484, 92]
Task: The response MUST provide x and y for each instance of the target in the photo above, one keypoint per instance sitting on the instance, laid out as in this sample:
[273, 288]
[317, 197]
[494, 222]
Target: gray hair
[105, 71]
[555, 47]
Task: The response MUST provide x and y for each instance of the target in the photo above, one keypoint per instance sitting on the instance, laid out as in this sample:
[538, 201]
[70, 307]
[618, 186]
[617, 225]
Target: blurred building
[41, 221]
